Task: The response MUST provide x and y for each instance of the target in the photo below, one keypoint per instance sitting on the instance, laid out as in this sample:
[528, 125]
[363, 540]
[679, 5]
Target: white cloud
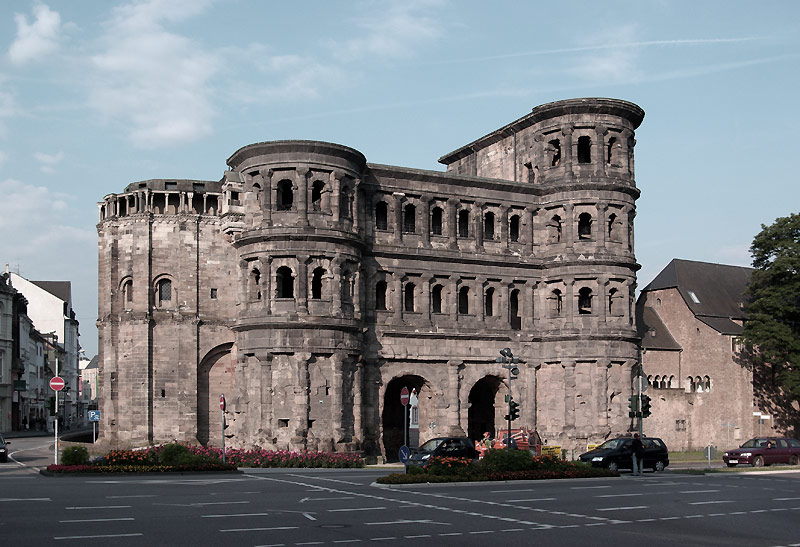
[610, 64]
[48, 161]
[3, 157]
[156, 82]
[37, 39]
[393, 32]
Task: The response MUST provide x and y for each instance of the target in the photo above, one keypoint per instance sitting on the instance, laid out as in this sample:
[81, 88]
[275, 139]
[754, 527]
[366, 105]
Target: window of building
[163, 292]
[380, 295]
[436, 298]
[488, 298]
[381, 216]
[584, 226]
[680, 425]
[127, 294]
[316, 283]
[316, 195]
[531, 172]
[436, 221]
[463, 223]
[584, 149]
[409, 219]
[585, 301]
[513, 228]
[556, 302]
[612, 222]
[463, 300]
[513, 304]
[285, 195]
[488, 226]
[284, 281]
[346, 202]
[408, 297]
[706, 383]
[610, 149]
[555, 152]
[213, 294]
[255, 284]
[694, 297]
[554, 229]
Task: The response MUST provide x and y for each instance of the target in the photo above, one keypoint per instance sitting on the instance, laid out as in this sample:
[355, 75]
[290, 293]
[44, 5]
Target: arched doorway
[393, 435]
[481, 414]
[214, 378]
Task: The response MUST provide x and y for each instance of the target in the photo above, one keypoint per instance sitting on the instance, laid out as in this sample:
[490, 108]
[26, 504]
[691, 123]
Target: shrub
[502, 460]
[415, 470]
[74, 455]
[175, 455]
[448, 466]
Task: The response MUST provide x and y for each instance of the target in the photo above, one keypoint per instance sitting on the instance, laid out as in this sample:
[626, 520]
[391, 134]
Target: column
[505, 302]
[424, 210]
[598, 159]
[480, 297]
[357, 280]
[602, 229]
[453, 399]
[528, 405]
[569, 224]
[398, 297]
[336, 197]
[266, 202]
[397, 198]
[600, 383]
[336, 286]
[302, 283]
[244, 274]
[302, 399]
[566, 150]
[453, 287]
[356, 206]
[478, 220]
[602, 304]
[337, 398]
[503, 212]
[265, 427]
[538, 157]
[452, 223]
[425, 300]
[569, 394]
[302, 194]
[533, 215]
[264, 263]
[569, 301]
[358, 401]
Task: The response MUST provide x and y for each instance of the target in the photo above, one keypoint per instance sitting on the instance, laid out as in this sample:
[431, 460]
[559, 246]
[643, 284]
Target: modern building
[703, 393]
[309, 286]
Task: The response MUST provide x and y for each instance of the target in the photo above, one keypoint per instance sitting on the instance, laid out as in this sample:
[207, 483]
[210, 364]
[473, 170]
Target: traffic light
[514, 407]
[645, 406]
[633, 406]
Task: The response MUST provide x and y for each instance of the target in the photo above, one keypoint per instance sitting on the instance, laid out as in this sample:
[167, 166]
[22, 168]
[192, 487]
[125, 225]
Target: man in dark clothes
[637, 448]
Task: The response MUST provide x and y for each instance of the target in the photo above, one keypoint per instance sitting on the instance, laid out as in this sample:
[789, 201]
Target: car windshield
[755, 443]
[431, 445]
[611, 443]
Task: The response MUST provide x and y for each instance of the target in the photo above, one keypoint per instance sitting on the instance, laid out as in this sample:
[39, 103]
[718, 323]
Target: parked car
[454, 447]
[616, 454]
[3, 449]
[761, 451]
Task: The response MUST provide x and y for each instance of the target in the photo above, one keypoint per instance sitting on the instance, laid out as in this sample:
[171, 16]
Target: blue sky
[96, 94]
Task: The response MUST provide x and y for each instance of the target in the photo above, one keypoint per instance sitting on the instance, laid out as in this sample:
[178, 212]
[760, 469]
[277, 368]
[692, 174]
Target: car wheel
[793, 460]
[659, 466]
[758, 461]
[731, 465]
[612, 466]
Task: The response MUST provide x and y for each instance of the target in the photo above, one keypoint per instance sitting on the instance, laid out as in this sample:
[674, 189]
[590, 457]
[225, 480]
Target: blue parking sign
[94, 415]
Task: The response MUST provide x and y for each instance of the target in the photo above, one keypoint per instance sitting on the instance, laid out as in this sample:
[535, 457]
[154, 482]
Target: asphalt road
[342, 507]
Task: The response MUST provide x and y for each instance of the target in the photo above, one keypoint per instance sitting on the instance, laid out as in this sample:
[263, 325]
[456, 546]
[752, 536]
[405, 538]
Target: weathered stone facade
[310, 286]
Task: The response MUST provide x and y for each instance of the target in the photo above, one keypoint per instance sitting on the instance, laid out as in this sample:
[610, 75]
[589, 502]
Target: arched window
[584, 149]
[436, 298]
[698, 385]
[584, 226]
[554, 229]
[436, 221]
[463, 300]
[409, 219]
[127, 294]
[463, 223]
[285, 195]
[585, 301]
[346, 202]
[612, 222]
[163, 292]
[610, 149]
[408, 297]
[381, 215]
[671, 381]
[348, 286]
[316, 195]
[556, 302]
[316, 283]
[380, 295]
[257, 192]
[488, 299]
[690, 384]
[513, 229]
[707, 383]
[284, 281]
[612, 293]
[255, 284]
[555, 152]
[513, 304]
[488, 226]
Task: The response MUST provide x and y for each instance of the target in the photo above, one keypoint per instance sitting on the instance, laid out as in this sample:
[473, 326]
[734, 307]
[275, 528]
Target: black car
[617, 454]
[3, 449]
[452, 447]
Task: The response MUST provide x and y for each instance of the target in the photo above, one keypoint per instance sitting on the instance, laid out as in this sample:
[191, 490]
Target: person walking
[637, 451]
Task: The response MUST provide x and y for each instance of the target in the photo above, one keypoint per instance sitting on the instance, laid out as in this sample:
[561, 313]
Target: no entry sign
[57, 383]
[404, 396]
[222, 402]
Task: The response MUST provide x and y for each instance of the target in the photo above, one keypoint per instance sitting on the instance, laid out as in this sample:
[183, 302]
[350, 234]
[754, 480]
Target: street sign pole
[222, 408]
[56, 384]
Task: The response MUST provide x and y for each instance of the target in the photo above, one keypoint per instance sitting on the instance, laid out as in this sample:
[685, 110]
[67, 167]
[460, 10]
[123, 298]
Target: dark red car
[762, 451]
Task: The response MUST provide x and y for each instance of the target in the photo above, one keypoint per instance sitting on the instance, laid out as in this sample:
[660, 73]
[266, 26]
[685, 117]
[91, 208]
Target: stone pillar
[528, 405]
[631, 214]
[532, 214]
[336, 286]
[454, 298]
[424, 206]
[569, 302]
[454, 368]
[478, 219]
[452, 223]
[267, 411]
[244, 278]
[398, 217]
[266, 203]
[480, 297]
[602, 229]
[569, 394]
[264, 264]
[602, 304]
[566, 150]
[538, 157]
[358, 400]
[302, 401]
[598, 160]
[357, 281]
[503, 212]
[398, 297]
[356, 206]
[336, 197]
[425, 300]
[337, 398]
[505, 302]
[302, 195]
[569, 224]
[600, 386]
[302, 283]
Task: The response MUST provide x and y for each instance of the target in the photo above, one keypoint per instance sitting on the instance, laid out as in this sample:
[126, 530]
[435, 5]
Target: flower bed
[175, 457]
[498, 465]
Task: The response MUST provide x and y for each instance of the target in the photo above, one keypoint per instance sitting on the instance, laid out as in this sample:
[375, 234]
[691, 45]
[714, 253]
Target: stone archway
[392, 419]
[215, 377]
[482, 407]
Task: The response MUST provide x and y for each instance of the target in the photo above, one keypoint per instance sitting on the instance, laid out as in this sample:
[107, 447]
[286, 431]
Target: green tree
[771, 334]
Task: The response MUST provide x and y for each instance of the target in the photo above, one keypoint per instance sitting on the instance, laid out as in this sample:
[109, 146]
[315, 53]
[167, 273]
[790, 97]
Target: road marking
[201, 504]
[260, 529]
[697, 491]
[235, 515]
[404, 521]
[134, 496]
[325, 499]
[25, 499]
[415, 537]
[346, 540]
[307, 477]
[390, 538]
[309, 517]
[530, 500]
[101, 507]
[356, 509]
[230, 493]
[97, 520]
[587, 487]
[310, 543]
[785, 499]
[100, 536]
[710, 502]
[623, 508]
[620, 495]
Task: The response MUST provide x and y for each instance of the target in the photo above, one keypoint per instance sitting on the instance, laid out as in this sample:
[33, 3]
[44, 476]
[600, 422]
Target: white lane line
[230, 493]
[260, 529]
[774, 499]
[482, 532]
[201, 504]
[132, 496]
[669, 518]
[587, 487]
[530, 500]
[96, 520]
[710, 502]
[25, 499]
[310, 543]
[356, 509]
[325, 499]
[623, 508]
[697, 491]
[347, 541]
[693, 516]
[451, 534]
[404, 521]
[101, 507]
[389, 538]
[235, 515]
[100, 536]
[621, 495]
[415, 537]
[307, 477]
[511, 491]
[309, 517]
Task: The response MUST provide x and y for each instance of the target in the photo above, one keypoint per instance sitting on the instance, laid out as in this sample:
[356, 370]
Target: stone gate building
[310, 286]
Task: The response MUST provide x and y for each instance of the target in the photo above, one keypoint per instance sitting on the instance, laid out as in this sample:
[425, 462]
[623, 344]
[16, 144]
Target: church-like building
[309, 287]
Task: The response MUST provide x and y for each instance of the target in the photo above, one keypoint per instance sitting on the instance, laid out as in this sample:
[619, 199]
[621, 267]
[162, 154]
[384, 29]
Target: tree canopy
[772, 331]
